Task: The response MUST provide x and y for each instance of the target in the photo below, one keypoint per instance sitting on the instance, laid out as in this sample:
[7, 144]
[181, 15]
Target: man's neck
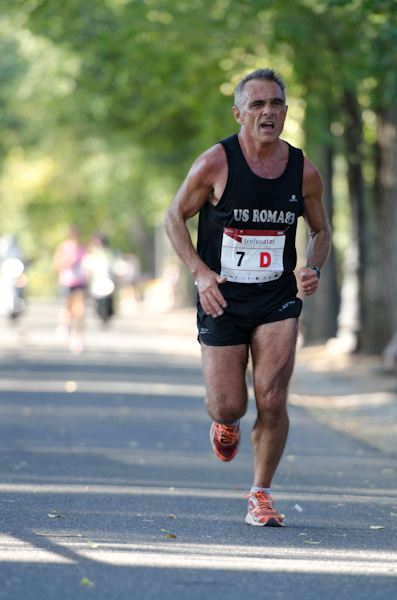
[273, 151]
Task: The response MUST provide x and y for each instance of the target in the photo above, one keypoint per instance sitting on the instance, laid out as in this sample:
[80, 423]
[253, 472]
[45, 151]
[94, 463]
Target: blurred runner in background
[99, 264]
[68, 262]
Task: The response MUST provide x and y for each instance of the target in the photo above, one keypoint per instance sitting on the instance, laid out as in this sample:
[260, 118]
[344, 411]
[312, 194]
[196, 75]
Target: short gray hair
[261, 75]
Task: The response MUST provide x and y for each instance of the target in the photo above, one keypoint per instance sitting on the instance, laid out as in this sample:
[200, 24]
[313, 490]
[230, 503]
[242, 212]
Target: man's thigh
[224, 369]
[273, 347]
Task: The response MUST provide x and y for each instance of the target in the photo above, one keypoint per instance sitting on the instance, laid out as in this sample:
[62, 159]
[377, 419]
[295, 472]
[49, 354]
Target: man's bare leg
[224, 369]
[273, 348]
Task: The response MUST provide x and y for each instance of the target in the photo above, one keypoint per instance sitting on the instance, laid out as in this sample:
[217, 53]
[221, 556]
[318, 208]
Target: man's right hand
[211, 298]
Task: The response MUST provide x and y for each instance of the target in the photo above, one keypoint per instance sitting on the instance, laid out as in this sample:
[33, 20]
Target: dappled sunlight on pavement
[173, 332]
[349, 392]
[68, 544]
[108, 480]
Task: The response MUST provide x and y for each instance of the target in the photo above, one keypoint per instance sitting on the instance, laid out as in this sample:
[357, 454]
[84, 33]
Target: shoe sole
[270, 523]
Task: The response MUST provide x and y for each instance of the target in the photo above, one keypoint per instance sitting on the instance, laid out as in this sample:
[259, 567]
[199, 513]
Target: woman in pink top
[68, 262]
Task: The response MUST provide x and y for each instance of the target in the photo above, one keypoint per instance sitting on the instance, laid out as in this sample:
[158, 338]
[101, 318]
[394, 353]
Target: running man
[249, 191]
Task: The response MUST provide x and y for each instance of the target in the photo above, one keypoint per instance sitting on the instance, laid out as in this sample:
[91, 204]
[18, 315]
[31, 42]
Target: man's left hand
[309, 280]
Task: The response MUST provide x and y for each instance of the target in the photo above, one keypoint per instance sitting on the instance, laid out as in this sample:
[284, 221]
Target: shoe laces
[262, 500]
[227, 435]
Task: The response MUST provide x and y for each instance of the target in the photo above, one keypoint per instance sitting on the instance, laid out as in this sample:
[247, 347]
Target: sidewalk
[347, 392]
[350, 393]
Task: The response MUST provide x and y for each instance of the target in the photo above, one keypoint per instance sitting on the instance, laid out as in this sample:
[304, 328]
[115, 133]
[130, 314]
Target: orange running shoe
[225, 440]
[261, 512]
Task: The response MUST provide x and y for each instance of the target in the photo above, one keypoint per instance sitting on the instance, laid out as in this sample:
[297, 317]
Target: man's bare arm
[191, 197]
[319, 232]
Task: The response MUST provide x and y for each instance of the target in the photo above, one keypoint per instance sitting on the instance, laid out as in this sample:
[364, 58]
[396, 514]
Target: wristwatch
[314, 269]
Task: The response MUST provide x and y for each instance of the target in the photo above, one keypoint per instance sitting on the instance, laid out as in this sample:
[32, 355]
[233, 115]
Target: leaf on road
[86, 582]
[54, 515]
[171, 536]
[70, 387]
[311, 542]
[391, 514]
[171, 516]
[165, 531]
[376, 527]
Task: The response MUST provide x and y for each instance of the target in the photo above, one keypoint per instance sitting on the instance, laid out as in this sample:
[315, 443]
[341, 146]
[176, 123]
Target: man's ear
[238, 115]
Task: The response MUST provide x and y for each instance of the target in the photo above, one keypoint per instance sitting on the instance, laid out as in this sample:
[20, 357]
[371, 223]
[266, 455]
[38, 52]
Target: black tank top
[250, 234]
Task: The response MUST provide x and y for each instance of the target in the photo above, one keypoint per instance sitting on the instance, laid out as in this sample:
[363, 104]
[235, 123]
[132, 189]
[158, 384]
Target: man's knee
[224, 410]
[272, 405]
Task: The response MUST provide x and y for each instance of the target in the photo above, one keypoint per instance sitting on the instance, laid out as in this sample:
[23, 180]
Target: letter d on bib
[266, 259]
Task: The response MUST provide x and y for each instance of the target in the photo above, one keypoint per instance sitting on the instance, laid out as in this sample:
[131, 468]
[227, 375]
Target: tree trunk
[355, 264]
[321, 310]
[380, 290]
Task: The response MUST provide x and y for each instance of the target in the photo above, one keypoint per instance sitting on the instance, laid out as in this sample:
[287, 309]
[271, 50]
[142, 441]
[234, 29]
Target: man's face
[263, 111]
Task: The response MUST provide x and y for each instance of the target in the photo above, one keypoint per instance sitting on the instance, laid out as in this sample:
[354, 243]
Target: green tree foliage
[105, 103]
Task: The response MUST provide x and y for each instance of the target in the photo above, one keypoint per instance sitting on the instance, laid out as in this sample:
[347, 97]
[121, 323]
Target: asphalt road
[109, 488]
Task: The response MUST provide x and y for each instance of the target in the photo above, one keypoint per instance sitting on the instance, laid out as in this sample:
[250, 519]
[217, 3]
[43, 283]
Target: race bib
[252, 256]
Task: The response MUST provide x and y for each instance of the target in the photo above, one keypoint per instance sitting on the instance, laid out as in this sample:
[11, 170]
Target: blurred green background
[104, 104]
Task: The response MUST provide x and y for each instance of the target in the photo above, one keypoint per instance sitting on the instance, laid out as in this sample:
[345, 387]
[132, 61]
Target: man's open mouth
[267, 125]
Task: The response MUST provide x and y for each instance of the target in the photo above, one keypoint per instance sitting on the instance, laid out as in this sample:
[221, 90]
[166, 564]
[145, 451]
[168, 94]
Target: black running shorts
[248, 306]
